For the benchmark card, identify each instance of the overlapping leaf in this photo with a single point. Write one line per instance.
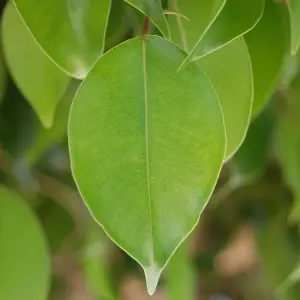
(40, 80)
(71, 32)
(229, 70)
(194, 17)
(146, 146)
(24, 261)
(236, 18)
(155, 12)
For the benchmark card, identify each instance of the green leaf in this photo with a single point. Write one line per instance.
(198, 16)
(41, 82)
(146, 163)
(181, 276)
(155, 12)
(230, 68)
(71, 32)
(45, 138)
(236, 18)
(294, 11)
(267, 45)
(24, 260)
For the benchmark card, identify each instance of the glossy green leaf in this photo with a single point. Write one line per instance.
(24, 260)
(198, 15)
(236, 18)
(39, 79)
(294, 10)
(146, 146)
(71, 32)
(181, 276)
(154, 10)
(228, 69)
(267, 45)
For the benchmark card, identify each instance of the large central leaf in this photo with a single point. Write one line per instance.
(146, 144)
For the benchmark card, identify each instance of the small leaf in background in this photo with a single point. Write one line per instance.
(154, 10)
(198, 15)
(39, 79)
(294, 11)
(250, 160)
(118, 24)
(3, 75)
(147, 162)
(236, 18)
(24, 260)
(46, 138)
(267, 45)
(57, 231)
(71, 32)
(180, 275)
(96, 263)
(278, 255)
(288, 142)
(229, 71)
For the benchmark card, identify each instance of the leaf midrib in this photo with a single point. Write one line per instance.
(147, 142)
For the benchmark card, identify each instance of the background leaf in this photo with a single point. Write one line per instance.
(198, 15)
(267, 45)
(294, 10)
(236, 18)
(71, 32)
(24, 261)
(229, 70)
(41, 82)
(147, 162)
(155, 12)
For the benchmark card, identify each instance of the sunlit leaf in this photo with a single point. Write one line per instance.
(294, 10)
(146, 163)
(39, 79)
(198, 16)
(71, 32)
(228, 69)
(181, 283)
(155, 12)
(236, 18)
(267, 45)
(3, 75)
(24, 260)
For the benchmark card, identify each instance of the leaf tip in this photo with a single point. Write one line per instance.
(152, 275)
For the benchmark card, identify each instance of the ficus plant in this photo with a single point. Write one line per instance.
(155, 98)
